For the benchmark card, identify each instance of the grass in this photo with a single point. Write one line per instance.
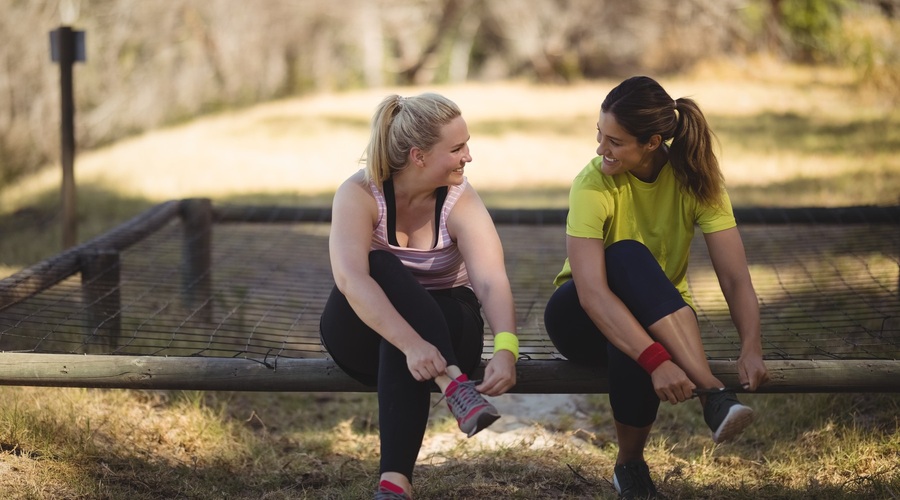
(791, 137)
(82, 443)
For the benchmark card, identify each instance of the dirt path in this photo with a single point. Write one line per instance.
(534, 421)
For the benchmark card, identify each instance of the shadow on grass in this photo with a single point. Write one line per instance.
(753, 468)
(808, 135)
(857, 188)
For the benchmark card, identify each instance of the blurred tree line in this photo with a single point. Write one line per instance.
(154, 62)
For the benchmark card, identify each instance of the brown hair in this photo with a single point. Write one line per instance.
(644, 109)
(402, 123)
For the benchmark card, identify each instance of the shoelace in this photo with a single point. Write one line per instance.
(706, 392)
(470, 398)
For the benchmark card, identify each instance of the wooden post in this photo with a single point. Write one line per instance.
(100, 292)
(196, 216)
(67, 47)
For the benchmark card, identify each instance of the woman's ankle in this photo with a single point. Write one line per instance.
(394, 481)
(452, 373)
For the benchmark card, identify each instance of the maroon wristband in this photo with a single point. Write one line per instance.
(653, 356)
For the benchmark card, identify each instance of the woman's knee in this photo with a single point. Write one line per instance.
(628, 254)
(389, 272)
(635, 276)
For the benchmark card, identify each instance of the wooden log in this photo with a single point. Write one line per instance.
(863, 214)
(272, 214)
(322, 375)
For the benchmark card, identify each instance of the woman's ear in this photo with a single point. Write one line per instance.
(654, 142)
(416, 156)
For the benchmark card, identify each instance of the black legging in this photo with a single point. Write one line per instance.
(638, 280)
(449, 319)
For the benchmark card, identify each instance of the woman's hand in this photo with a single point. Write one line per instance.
(499, 374)
(424, 361)
(671, 383)
(752, 371)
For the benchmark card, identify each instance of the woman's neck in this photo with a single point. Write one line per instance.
(654, 165)
(409, 191)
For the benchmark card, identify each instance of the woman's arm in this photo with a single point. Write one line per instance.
(354, 212)
(612, 317)
(472, 227)
(726, 250)
(588, 262)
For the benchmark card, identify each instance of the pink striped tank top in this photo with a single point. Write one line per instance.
(435, 268)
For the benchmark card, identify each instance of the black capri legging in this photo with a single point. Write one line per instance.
(449, 319)
(637, 279)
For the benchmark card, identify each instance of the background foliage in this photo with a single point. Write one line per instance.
(155, 63)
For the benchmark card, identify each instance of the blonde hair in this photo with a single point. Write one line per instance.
(400, 124)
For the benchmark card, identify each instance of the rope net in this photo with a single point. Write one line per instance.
(826, 291)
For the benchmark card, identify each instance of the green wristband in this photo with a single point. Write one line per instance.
(506, 341)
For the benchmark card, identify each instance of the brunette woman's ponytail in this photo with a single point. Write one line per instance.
(643, 108)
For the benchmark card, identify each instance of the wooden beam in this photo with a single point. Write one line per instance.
(322, 375)
(47, 273)
(863, 214)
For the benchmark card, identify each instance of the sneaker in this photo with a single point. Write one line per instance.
(632, 481)
(473, 413)
(725, 415)
(390, 491)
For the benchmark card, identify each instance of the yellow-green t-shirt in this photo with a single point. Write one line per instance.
(658, 214)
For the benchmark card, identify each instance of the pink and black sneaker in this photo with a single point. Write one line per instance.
(473, 413)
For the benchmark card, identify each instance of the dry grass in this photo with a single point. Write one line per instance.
(77, 443)
(789, 136)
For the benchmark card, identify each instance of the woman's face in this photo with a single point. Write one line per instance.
(448, 158)
(621, 151)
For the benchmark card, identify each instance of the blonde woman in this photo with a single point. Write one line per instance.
(415, 258)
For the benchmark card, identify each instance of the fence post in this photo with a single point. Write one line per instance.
(101, 295)
(67, 48)
(196, 217)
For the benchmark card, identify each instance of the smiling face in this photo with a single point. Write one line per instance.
(622, 152)
(448, 158)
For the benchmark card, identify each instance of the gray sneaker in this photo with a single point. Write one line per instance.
(473, 413)
(725, 415)
(632, 481)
